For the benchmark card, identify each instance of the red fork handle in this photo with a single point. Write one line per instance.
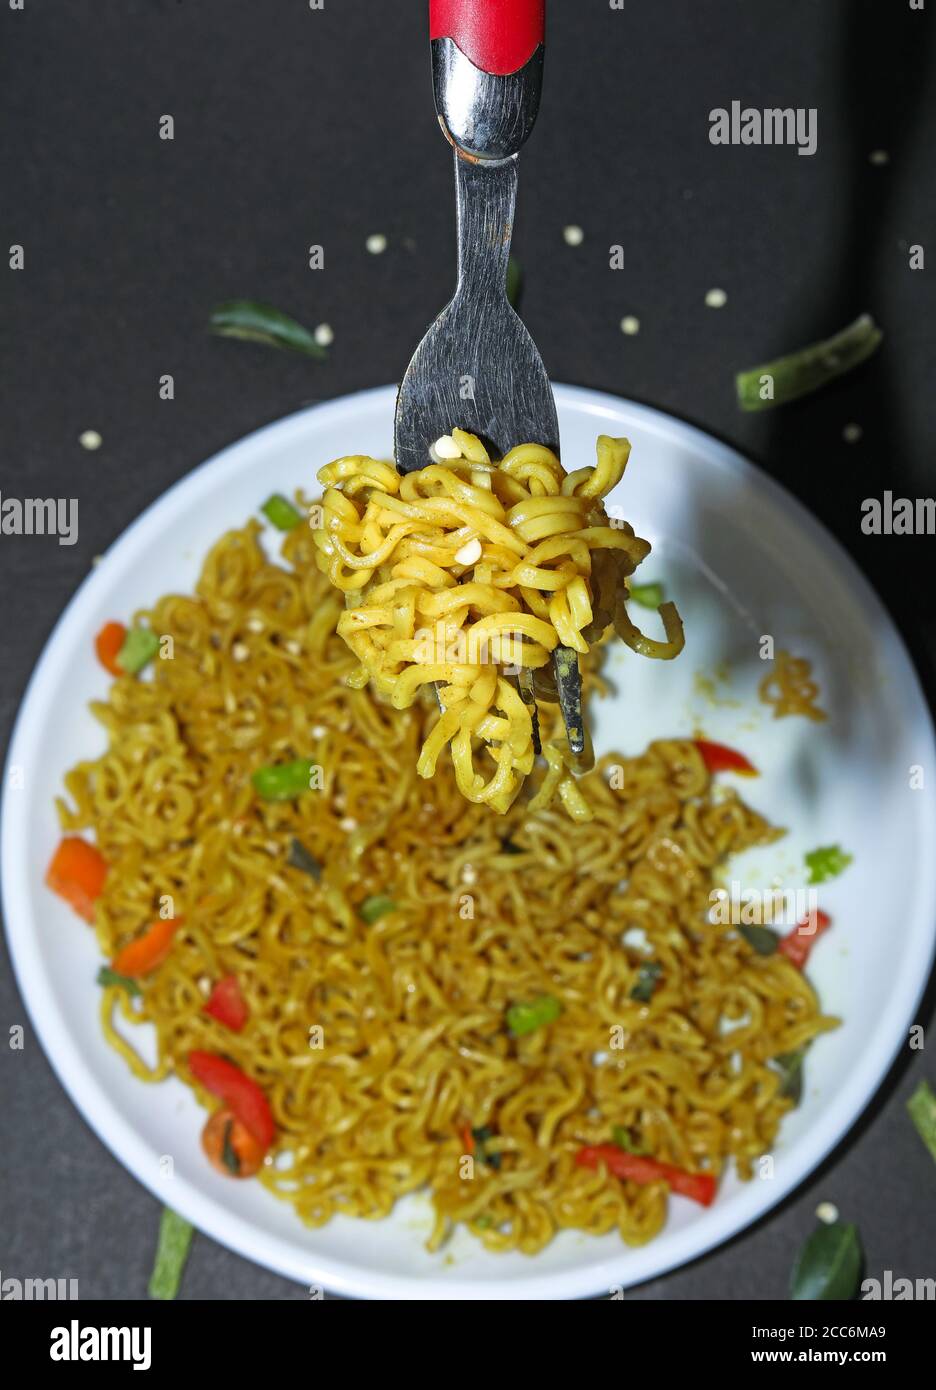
(499, 36)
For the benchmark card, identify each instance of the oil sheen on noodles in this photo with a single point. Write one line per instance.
(466, 569)
(488, 911)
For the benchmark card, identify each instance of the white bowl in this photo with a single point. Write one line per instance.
(743, 559)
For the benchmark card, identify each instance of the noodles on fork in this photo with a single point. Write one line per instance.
(468, 571)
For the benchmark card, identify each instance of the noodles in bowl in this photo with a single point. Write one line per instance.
(425, 995)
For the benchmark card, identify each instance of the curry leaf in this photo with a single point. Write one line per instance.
(762, 939)
(829, 1265)
(261, 323)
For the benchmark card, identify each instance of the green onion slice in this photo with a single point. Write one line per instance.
(106, 976)
(647, 595)
(283, 781)
(140, 646)
(622, 1136)
(377, 906)
(809, 369)
(922, 1108)
(526, 1018)
(826, 862)
(481, 1137)
(175, 1237)
(281, 512)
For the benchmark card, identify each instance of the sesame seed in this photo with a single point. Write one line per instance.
(630, 325)
(376, 244)
(469, 874)
(90, 439)
(239, 652)
(716, 299)
(573, 236)
(255, 624)
(324, 335)
(348, 824)
(852, 433)
(446, 448)
(827, 1212)
(469, 553)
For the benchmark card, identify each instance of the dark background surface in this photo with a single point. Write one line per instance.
(295, 127)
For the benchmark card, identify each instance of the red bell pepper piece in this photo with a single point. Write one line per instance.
(798, 943)
(246, 1099)
(719, 758)
(699, 1187)
(226, 1004)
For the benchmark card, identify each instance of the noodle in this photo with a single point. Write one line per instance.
(462, 573)
(377, 1044)
(790, 689)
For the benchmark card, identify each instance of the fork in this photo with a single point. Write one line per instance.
(477, 367)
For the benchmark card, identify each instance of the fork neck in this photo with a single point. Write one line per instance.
(486, 199)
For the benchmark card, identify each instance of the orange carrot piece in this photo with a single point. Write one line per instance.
(145, 952)
(230, 1146)
(107, 644)
(77, 873)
